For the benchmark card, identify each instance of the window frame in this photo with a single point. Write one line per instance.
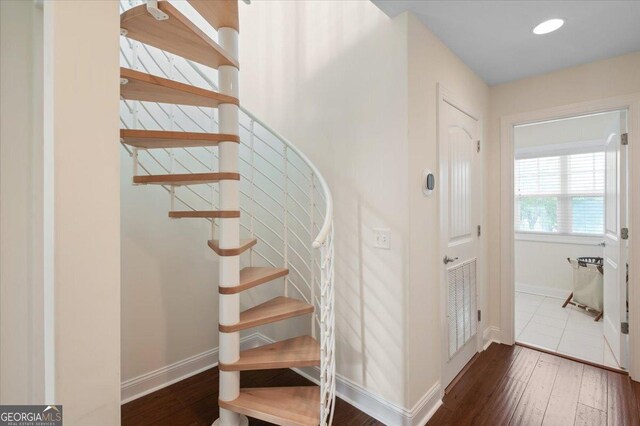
(565, 209)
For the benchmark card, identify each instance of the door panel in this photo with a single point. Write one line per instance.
(615, 292)
(459, 201)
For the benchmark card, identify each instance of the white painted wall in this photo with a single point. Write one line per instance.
(331, 76)
(169, 280)
(574, 130)
(599, 80)
(430, 63)
(21, 302)
(82, 201)
(371, 129)
(541, 267)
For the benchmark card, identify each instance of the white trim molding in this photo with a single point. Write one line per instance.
(379, 408)
(630, 102)
(387, 412)
(555, 292)
(583, 240)
(382, 410)
(490, 335)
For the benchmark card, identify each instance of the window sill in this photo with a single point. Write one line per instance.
(587, 240)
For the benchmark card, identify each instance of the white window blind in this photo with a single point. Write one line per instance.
(560, 194)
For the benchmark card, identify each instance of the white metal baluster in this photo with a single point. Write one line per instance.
(173, 197)
(134, 156)
(312, 268)
(172, 171)
(172, 122)
(285, 219)
(134, 125)
(323, 332)
(252, 204)
(134, 108)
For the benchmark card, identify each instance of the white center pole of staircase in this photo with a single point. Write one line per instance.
(229, 236)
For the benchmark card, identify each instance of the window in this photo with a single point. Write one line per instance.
(560, 194)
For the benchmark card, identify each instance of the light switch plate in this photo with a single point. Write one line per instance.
(382, 238)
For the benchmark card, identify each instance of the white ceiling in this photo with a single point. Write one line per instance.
(494, 38)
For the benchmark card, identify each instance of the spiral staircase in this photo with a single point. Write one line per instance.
(186, 132)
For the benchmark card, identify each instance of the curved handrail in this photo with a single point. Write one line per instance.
(323, 234)
(321, 238)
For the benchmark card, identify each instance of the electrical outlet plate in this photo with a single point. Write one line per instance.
(382, 238)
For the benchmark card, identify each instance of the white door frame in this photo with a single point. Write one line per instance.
(446, 95)
(507, 234)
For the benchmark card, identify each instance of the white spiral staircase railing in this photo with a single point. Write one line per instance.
(284, 200)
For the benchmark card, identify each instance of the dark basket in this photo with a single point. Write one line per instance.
(584, 261)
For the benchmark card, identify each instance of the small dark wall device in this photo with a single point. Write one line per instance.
(428, 182)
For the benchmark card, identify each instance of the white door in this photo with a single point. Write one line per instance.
(615, 270)
(459, 220)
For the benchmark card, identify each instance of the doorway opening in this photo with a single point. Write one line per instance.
(570, 241)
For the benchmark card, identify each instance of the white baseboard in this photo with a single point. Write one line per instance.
(555, 292)
(374, 405)
(491, 335)
(162, 377)
(379, 408)
(366, 401)
(427, 406)
(387, 412)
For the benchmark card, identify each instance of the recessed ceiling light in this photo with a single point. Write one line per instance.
(549, 26)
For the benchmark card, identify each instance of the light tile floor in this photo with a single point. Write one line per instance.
(542, 321)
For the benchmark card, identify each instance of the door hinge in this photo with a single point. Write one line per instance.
(479, 315)
(479, 230)
(624, 327)
(478, 145)
(624, 139)
(624, 233)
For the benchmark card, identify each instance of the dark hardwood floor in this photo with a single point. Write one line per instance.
(521, 386)
(194, 401)
(504, 385)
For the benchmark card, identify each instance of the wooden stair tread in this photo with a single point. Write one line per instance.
(273, 310)
(211, 214)
(177, 35)
(244, 246)
(185, 179)
(253, 276)
(301, 351)
(146, 87)
(220, 13)
(287, 406)
(149, 139)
